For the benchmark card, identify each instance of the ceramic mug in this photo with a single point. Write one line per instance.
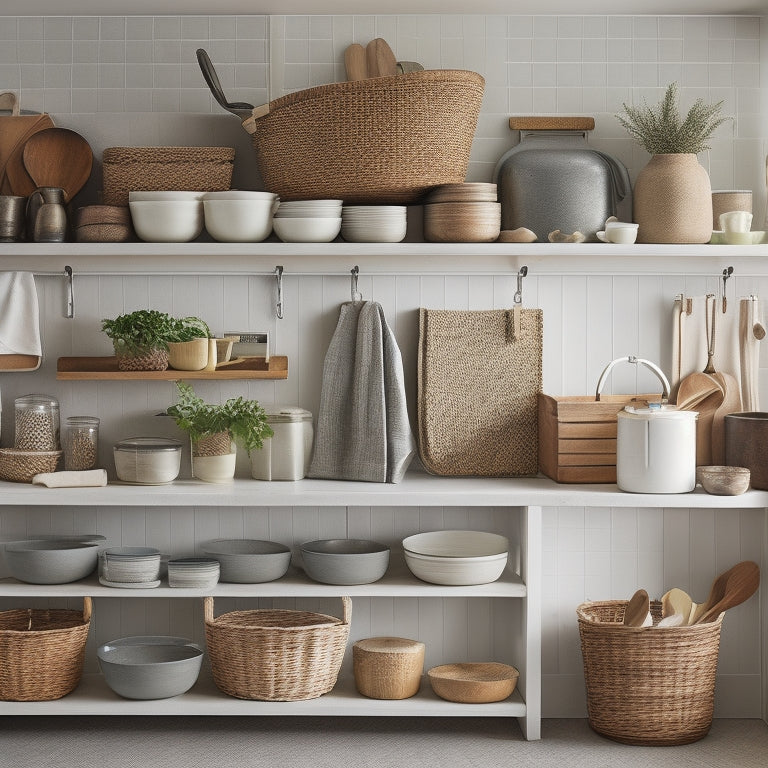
(621, 232)
(735, 226)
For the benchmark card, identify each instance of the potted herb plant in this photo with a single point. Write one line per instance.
(673, 195)
(214, 430)
(141, 339)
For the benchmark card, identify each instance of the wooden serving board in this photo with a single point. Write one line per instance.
(105, 368)
(552, 123)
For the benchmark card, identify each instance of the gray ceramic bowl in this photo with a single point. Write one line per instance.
(249, 561)
(345, 561)
(51, 561)
(150, 667)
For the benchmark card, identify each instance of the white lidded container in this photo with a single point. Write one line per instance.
(285, 455)
(148, 460)
(656, 449)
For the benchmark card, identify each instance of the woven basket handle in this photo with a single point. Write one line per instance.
(347, 618)
(208, 609)
(87, 609)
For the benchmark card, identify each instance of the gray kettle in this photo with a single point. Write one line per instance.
(553, 180)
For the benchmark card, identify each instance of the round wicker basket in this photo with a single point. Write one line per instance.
(18, 466)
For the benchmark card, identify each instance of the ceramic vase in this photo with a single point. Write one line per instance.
(673, 201)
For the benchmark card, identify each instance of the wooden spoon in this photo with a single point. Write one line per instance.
(637, 609)
(729, 589)
(58, 157)
(355, 62)
(676, 601)
(380, 59)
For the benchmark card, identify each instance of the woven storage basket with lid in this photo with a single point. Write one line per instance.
(647, 685)
(382, 140)
(17, 466)
(275, 654)
(42, 652)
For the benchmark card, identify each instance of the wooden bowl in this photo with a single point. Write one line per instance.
(473, 682)
(723, 481)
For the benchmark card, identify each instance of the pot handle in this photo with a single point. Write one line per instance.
(635, 360)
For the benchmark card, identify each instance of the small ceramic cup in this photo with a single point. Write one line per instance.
(621, 232)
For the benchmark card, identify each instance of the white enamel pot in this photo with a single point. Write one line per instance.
(656, 450)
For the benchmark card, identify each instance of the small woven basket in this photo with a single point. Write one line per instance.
(143, 360)
(204, 169)
(647, 685)
(276, 655)
(42, 652)
(382, 139)
(19, 466)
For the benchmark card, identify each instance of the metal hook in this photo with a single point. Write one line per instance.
(521, 273)
(356, 295)
(279, 278)
(70, 312)
(726, 274)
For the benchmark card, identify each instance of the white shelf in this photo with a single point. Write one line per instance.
(382, 258)
(416, 490)
(398, 582)
(94, 697)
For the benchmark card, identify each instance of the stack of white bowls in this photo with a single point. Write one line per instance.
(166, 216)
(373, 223)
(130, 567)
(239, 216)
(308, 221)
(193, 572)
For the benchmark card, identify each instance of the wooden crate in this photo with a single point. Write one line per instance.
(577, 436)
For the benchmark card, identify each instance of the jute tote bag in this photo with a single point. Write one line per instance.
(479, 375)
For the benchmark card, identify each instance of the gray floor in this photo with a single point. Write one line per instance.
(294, 742)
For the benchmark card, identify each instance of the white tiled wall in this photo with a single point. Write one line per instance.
(134, 80)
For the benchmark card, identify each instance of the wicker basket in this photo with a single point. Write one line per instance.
(382, 140)
(41, 652)
(647, 685)
(276, 655)
(205, 169)
(19, 466)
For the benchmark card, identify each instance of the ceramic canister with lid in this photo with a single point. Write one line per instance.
(147, 460)
(285, 455)
(656, 449)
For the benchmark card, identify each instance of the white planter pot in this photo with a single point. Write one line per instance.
(214, 469)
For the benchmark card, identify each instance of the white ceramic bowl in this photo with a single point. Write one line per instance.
(167, 221)
(144, 195)
(456, 558)
(314, 230)
(231, 220)
(239, 194)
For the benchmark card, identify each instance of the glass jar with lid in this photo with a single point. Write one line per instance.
(81, 442)
(37, 423)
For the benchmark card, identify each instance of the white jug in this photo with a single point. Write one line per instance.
(656, 449)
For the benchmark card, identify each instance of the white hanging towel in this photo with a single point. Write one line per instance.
(738, 331)
(363, 431)
(20, 347)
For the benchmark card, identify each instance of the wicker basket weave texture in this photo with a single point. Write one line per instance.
(380, 140)
(18, 466)
(204, 169)
(42, 652)
(275, 654)
(647, 685)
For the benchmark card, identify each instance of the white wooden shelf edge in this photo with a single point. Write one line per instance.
(93, 697)
(416, 490)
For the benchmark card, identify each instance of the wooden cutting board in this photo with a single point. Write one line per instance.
(15, 128)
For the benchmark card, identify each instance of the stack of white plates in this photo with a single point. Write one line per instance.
(130, 567)
(373, 223)
(308, 221)
(193, 572)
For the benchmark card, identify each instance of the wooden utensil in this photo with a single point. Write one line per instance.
(637, 609)
(676, 601)
(729, 589)
(58, 157)
(380, 60)
(355, 62)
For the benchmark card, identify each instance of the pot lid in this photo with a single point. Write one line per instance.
(287, 413)
(658, 411)
(148, 444)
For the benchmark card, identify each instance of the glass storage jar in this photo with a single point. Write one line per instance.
(37, 423)
(81, 442)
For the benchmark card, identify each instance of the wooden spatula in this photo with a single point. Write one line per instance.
(355, 62)
(729, 589)
(380, 59)
(58, 157)
(637, 610)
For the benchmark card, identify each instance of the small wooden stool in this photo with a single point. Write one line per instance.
(388, 667)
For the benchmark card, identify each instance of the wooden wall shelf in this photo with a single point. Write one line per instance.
(105, 368)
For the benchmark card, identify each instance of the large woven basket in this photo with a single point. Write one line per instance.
(382, 140)
(647, 685)
(204, 169)
(18, 466)
(276, 655)
(42, 652)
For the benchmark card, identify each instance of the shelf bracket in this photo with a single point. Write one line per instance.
(279, 279)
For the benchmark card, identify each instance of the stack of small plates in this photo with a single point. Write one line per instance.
(308, 221)
(130, 568)
(193, 572)
(373, 223)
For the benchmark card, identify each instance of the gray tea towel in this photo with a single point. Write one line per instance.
(363, 432)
